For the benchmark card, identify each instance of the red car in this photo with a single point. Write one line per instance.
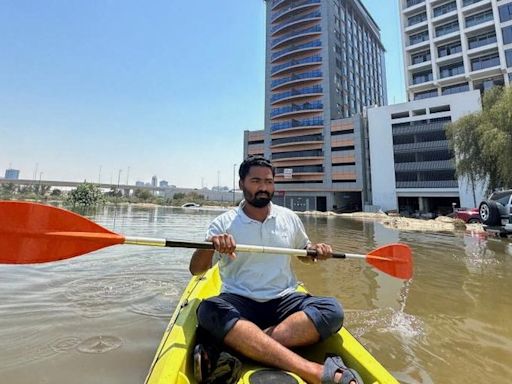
(468, 215)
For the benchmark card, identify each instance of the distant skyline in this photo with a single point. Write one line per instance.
(106, 90)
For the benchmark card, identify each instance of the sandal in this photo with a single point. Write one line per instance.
(335, 364)
(212, 367)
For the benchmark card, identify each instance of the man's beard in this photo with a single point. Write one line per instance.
(260, 200)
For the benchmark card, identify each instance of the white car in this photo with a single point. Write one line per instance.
(190, 205)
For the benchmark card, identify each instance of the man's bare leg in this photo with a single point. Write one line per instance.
(297, 330)
(248, 339)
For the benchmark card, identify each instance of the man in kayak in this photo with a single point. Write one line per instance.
(258, 313)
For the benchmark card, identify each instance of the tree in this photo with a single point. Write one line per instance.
(482, 141)
(85, 195)
(7, 190)
(143, 194)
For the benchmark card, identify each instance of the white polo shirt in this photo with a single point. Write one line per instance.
(259, 276)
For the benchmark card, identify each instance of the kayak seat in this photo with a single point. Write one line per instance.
(334, 364)
(271, 376)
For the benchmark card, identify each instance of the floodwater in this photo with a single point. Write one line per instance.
(98, 318)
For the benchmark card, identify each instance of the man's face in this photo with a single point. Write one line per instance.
(258, 186)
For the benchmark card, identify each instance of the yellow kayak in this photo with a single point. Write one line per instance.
(173, 362)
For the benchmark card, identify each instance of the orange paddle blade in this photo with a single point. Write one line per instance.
(37, 233)
(393, 259)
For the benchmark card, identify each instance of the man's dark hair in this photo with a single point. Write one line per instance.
(254, 161)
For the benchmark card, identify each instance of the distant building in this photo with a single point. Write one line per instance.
(139, 183)
(164, 184)
(154, 181)
(12, 174)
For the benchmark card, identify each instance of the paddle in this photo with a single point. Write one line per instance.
(36, 233)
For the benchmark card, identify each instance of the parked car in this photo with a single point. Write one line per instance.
(496, 210)
(467, 215)
(190, 205)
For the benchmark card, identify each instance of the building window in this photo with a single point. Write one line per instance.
(507, 35)
(445, 8)
(420, 57)
(416, 19)
(421, 77)
(425, 94)
(451, 70)
(508, 56)
(479, 18)
(481, 40)
(410, 3)
(505, 12)
(457, 88)
(418, 38)
(487, 61)
(465, 3)
(449, 49)
(447, 28)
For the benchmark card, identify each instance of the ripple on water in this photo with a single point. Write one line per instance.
(99, 344)
(65, 343)
(97, 297)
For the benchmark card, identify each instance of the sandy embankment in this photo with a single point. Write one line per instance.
(439, 224)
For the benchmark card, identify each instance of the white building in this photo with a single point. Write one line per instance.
(452, 46)
(412, 166)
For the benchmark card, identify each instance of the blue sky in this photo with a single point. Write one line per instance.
(162, 87)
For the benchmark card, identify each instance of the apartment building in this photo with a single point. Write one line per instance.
(453, 46)
(324, 65)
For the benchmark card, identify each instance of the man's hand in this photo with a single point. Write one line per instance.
(323, 251)
(224, 244)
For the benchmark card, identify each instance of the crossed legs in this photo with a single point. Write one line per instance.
(271, 345)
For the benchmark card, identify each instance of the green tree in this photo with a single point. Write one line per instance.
(7, 190)
(143, 194)
(85, 195)
(56, 192)
(482, 141)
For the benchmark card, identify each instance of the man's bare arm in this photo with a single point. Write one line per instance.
(201, 261)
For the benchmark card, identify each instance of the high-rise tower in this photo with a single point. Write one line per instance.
(324, 64)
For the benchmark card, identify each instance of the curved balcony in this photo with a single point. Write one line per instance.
(315, 44)
(294, 6)
(294, 109)
(294, 20)
(311, 60)
(276, 3)
(296, 93)
(295, 123)
(306, 76)
(317, 29)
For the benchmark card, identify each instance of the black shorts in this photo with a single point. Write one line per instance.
(218, 314)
